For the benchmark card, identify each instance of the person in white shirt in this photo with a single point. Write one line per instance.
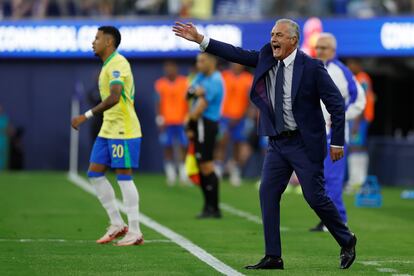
(354, 98)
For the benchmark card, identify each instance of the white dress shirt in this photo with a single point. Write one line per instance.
(290, 123)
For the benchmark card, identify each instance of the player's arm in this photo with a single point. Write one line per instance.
(357, 103)
(201, 104)
(159, 119)
(112, 100)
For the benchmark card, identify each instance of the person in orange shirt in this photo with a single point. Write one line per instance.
(237, 84)
(172, 110)
(358, 158)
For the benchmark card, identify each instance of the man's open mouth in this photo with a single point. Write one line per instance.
(276, 47)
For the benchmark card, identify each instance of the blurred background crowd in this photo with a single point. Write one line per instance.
(205, 9)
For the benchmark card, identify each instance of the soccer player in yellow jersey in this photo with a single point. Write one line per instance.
(118, 143)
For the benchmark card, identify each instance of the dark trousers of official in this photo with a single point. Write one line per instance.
(282, 157)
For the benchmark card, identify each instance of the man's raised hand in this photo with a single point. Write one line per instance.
(187, 31)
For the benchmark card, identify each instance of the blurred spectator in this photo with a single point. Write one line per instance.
(311, 31)
(88, 8)
(150, 7)
(17, 9)
(4, 150)
(358, 158)
(237, 84)
(16, 157)
(106, 7)
(238, 8)
(11, 144)
(172, 110)
(21, 8)
(196, 9)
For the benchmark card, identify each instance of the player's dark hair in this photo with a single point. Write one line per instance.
(114, 32)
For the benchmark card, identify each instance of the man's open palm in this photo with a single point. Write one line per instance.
(187, 31)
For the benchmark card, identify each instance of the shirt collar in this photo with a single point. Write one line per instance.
(110, 57)
(290, 58)
(328, 62)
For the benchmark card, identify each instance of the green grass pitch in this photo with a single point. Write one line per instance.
(62, 222)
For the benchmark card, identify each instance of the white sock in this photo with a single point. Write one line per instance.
(235, 175)
(170, 172)
(106, 196)
(183, 173)
(219, 169)
(131, 201)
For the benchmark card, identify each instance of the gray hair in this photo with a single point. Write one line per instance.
(330, 37)
(293, 28)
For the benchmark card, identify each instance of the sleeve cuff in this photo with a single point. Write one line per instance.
(204, 43)
(337, 147)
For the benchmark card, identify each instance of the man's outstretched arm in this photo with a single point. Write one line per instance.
(224, 50)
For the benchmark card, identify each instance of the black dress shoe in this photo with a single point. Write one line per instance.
(209, 214)
(320, 227)
(268, 262)
(348, 253)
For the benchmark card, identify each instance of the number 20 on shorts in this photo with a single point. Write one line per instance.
(117, 151)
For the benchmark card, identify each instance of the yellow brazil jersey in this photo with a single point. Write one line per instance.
(120, 121)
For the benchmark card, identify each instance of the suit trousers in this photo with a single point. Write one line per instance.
(282, 157)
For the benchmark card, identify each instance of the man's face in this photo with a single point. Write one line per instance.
(170, 69)
(237, 68)
(204, 63)
(353, 66)
(324, 49)
(283, 44)
(100, 43)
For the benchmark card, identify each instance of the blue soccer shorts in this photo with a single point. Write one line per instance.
(173, 133)
(116, 153)
(236, 131)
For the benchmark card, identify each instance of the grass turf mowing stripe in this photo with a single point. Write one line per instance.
(246, 215)
(25, 240)
(193, 249)
(385, 269)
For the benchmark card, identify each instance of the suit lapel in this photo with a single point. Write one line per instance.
(259, 92)
(267, 62)
(297, 74)
(259, 97)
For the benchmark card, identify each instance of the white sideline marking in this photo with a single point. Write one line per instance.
(373, 263)
(68, 241)
(378, 263)
(193, 249)
(243, 214)
(386, 269)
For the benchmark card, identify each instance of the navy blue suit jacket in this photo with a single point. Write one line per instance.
(310, 84)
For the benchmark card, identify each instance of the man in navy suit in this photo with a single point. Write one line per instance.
(287, 88)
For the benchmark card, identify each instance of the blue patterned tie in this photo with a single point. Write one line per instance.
(280, 122)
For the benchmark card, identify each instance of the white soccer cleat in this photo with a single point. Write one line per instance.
(131, 239)
(113, 232)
